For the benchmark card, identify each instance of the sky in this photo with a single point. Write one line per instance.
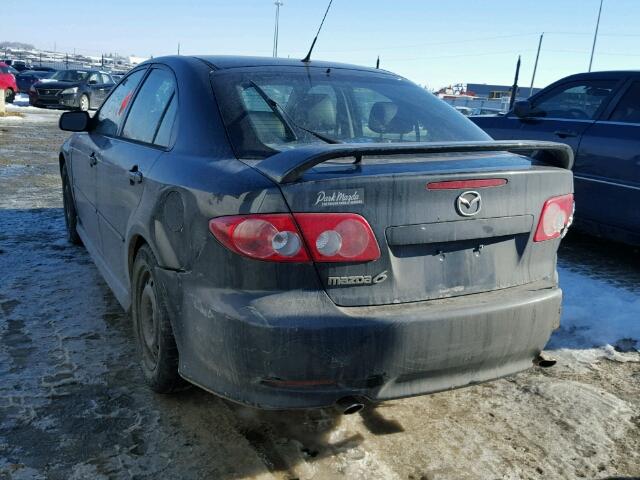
(431, 42)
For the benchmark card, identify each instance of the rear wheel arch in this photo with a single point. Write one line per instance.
(135, 243)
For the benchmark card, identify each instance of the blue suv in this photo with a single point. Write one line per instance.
(598, 115)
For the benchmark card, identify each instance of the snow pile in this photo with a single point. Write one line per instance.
(21, 100)
(598, 318)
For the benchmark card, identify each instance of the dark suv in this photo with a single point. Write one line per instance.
(598, 115)
(72, 90)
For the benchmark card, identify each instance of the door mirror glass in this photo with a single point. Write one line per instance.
(74, 121)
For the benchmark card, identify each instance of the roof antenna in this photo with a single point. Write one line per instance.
(378, 62)
(313, 44)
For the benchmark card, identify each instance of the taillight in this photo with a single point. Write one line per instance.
(274, 237)
(338, 237)
(556, 217)
(329, 237)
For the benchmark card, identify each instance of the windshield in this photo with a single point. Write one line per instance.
(70, 75)
(269, 111)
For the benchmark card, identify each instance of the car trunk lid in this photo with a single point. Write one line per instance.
(431, 245)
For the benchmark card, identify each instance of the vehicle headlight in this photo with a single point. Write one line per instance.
(71, 90)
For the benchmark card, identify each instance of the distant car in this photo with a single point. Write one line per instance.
(598, 115)
(484, 111)
(466, 111)
(28, 77)
(8, 83)
(19, 65)
(76, 89)
(294, 235)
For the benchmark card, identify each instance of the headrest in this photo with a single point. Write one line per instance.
(317, 111)
(388, 117)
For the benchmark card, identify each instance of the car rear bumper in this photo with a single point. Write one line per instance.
(299, 350)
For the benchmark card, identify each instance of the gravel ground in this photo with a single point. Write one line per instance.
(73, 404)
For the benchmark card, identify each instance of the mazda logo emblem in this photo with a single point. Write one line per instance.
(469, 203)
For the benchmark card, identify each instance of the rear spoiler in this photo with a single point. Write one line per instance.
(289, 165)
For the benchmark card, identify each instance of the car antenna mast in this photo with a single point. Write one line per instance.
(313, 44)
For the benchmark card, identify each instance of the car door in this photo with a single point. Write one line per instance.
(564, 112)
(607, 170)
(86, 166)
(101, 89)
(92, 85)
(128, 159)
(84, 171)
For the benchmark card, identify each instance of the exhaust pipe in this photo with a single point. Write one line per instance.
(349, 405)
(542, 362)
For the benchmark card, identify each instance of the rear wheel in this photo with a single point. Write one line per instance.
(70, 214)
(9, 95)
(84, 103)
(152, 328)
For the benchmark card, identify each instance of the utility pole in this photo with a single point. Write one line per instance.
(514, 89)
(276, 32)
(595, 35)
(535, 66)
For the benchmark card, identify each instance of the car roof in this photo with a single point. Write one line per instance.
(224, 62)
(601, 75)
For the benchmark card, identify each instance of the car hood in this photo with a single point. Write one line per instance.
(56, 84)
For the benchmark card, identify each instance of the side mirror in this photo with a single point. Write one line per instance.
(93, 82)
(523, 109)
(74, 121)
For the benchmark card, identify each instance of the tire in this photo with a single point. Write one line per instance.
(70, 213)
(9, 95)
(83, 104)
(152, 329)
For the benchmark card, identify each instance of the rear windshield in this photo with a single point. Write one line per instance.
(269, 111)
(70, 75)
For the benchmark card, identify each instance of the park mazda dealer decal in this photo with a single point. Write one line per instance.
(333, 198)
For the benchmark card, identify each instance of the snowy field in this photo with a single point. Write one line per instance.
(73, 404)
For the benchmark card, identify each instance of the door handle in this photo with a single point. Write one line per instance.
(565, 133)
(93, 159)
(135, 175)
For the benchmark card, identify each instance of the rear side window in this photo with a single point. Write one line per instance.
(112, 112)
(575, 101)
(628, 109)
(150, 107)
(106, 78)
(163, 137)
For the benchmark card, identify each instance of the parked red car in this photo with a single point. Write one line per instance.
(8, 82)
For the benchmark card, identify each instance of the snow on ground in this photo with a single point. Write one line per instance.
(35, 114)
(22, 100)
(68, 373)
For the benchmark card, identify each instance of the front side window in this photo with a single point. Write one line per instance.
(575, 101)
(109, 117)
(628, 108)
(150, 106)
(266, 111)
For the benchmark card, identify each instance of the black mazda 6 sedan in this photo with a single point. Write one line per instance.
(293, 234)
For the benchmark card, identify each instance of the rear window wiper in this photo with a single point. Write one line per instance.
(288, 121)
